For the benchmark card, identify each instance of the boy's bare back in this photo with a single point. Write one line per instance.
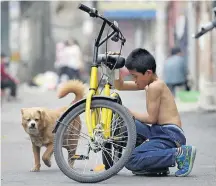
(167, 109)
(160, 103)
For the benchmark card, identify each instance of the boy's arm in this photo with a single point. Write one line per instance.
(120, 84)
(153, 105)
(125, 85)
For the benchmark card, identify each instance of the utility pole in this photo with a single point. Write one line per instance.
(161, 36)
(192, 65)
(5, 48)
(14, 34)
(207, 87)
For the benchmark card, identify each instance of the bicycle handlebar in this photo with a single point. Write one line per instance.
(94, 13)
(112, 62)
(206, 28)
(85, 8)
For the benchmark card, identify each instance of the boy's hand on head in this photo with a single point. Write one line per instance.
(123, 72)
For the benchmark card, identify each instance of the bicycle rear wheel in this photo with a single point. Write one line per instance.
(72, 166)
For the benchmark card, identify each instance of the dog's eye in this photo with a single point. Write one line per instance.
(36, 120)
(28, 119)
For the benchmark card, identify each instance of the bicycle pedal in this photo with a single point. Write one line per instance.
(79, 157)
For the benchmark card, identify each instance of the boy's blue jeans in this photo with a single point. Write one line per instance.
(159, 150)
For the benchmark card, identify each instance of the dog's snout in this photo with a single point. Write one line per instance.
(32, 124)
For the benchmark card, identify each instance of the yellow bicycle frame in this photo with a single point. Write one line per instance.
(108, 114)
(91, 116)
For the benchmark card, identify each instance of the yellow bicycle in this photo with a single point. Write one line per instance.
(104, 137)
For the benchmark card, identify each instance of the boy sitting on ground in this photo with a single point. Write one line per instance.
(163, 142)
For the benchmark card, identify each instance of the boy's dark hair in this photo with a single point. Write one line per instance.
(141, 61)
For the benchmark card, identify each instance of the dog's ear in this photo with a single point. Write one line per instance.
(43, 116)
(41, 112)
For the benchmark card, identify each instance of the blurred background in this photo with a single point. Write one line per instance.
(46, 42)
(34, 35)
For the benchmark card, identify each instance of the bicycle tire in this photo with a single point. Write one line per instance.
(131, 129)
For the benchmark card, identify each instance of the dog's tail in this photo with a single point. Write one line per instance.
(72, 86)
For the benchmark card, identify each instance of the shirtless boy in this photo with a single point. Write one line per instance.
(163, 143)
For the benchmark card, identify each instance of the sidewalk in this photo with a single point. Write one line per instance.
(186, 106)
(182, 106)
(26, 92)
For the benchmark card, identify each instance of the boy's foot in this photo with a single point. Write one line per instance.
(186, 160)
(153, 172)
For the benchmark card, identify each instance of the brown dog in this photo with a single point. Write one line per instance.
(39, 122)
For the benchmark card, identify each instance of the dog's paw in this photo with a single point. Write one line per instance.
(47, 163)
(35, 169)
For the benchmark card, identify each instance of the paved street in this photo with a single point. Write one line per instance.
(17, 157)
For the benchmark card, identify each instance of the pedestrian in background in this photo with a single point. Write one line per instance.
(175, 70)
(8, 81)
(72, 58)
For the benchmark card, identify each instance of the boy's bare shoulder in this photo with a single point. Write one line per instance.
(156, 86)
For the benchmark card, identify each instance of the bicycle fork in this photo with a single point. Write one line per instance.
(91, 115)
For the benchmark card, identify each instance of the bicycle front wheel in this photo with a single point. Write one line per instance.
(84, 162)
